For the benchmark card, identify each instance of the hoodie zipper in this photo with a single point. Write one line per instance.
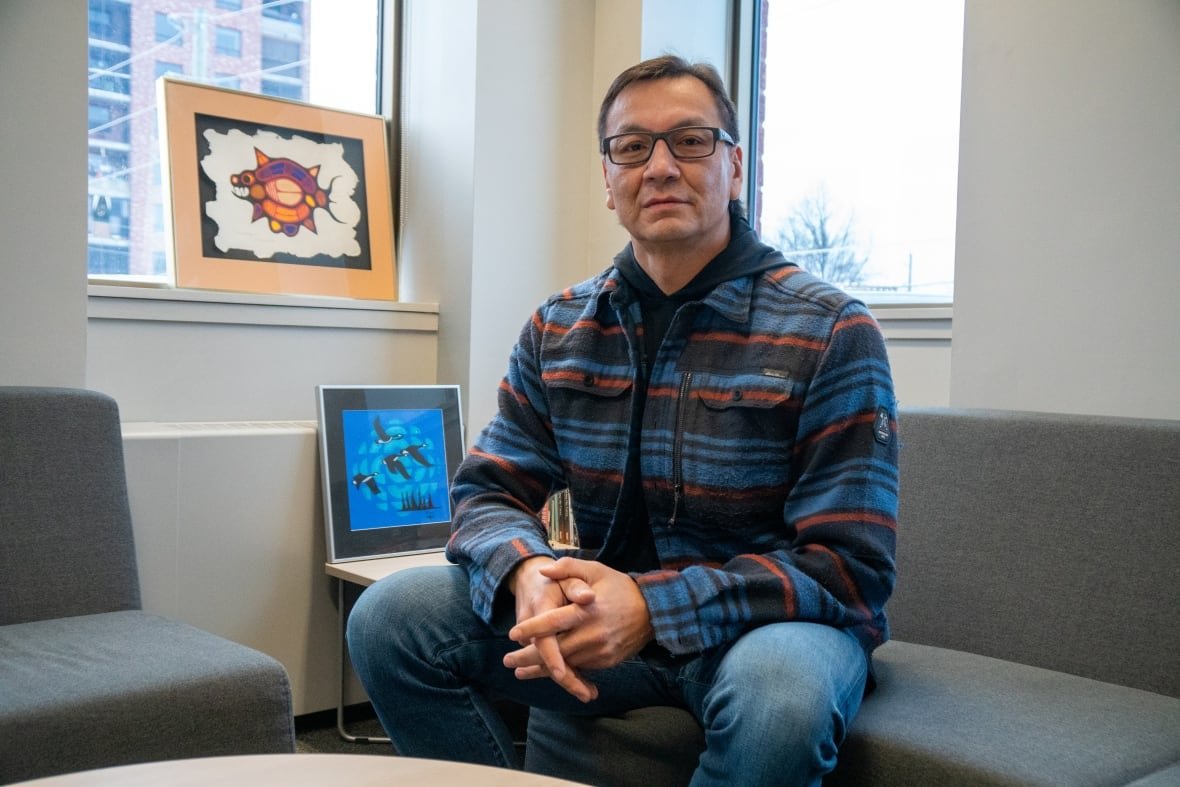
(677, 439)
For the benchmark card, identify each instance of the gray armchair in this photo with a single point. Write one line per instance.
(87, 678)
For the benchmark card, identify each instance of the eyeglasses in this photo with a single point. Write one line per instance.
(689, 142)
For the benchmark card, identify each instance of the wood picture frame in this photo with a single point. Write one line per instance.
(268, 195)
(387, 457)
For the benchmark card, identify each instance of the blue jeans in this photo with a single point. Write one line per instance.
(774, 704)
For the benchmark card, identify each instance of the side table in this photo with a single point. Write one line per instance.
(365, 573)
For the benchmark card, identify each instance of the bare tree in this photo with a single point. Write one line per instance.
(814, 240)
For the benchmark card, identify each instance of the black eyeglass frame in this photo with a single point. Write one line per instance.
(719, 135)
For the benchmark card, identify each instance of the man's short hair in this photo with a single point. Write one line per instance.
(669, 67)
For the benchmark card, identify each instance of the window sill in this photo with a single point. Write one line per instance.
(115, 302)
(915, 322)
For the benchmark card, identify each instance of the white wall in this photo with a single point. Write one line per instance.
(42, 223)
(918, 340)
(618, 42)
(534, 120)
(1068, 247)
(497, 109)
(438, 141)
(696, 30)
(222, 357)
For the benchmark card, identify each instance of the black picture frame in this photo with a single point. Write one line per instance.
(387, 457)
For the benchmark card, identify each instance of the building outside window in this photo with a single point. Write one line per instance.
(277, 89)
(280, 57)
(110, 20)
(110, 72)
(221, 42)
(109, 127)
(229, 41)
(856, 128)
(168, 30)
(164, 67)
(284, 11)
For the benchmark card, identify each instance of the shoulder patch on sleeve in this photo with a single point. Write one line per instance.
(882, 427)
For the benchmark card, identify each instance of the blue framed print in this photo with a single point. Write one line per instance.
(387, 457)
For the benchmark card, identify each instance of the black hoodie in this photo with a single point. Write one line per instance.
(744, 255)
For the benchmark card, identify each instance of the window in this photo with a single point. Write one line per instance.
(272, 87)
(232, 81)
(108, 122)
(285, 10)
(164, 67)
(109, 71)
(102, 258)
(856, 133)
(168, 29)
(106, 162)
(282, 57)
(219, 43)
(110, 20)
(229, 41)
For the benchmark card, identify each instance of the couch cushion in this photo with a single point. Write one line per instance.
(947, 717)
(124, 687)
(1044, 539)
(1168, 777)
(937, 717)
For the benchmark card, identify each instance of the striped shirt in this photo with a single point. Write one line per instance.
(768, 454)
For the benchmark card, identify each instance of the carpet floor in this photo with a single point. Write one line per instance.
(316, 733)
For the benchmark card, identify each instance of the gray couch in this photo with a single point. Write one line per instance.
(1036, 620)
(87, 678)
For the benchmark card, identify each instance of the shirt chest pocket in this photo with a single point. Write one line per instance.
(737, 438)
(743, 394)
(582, 401)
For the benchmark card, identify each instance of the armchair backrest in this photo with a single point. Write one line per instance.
(66, 544)
(1041, 538)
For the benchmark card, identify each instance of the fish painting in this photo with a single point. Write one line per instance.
(283, 191)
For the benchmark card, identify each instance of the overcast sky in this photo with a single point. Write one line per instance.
(862, 99)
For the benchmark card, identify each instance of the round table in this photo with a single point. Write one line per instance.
(293, 770)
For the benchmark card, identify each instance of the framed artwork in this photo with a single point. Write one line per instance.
(387, 457)
(269, 195)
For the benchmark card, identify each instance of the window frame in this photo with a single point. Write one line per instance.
(745, 57)
(113, 288)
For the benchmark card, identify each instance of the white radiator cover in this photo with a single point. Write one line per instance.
(229, 534)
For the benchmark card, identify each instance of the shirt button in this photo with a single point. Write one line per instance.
(737, 396)
(588, 380)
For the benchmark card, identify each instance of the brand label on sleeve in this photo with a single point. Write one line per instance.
(882, 428)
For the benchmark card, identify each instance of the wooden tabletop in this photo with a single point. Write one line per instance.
(366, 572)
(299, 770)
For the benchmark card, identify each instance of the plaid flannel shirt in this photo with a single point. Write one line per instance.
(768, 455)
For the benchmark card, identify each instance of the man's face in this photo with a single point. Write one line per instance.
(665, 202)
